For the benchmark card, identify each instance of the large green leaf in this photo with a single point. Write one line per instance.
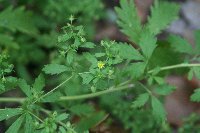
(141, 100)
(18, 19)
(162, 13)
(9, 112)
(129, 20)
(39, 83)
(25, 87)
(158, 109)
(14, 128)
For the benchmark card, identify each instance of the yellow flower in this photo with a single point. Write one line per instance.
(101, 64)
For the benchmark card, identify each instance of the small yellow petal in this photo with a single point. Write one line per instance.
(101, 64)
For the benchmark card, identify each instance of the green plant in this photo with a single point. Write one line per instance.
(103, 69)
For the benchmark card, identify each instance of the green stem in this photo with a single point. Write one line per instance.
(85, 96)
(53, 89)
(12, 99)
(57, 87)
(143, 86)
(176, 66)
(77, 97)
(48, 113)
(36, 116)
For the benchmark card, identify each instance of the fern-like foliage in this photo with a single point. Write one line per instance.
(17, 20)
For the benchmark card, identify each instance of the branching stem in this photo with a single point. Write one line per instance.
(54, 89)
(36, 117)
(86, 96)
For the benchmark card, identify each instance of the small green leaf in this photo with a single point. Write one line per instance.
(141, 100)
(9, 112)
(25, 87)
(136, 70)
(180, 45)
(190, 74)
(196, 71)
(14, 128)
(63, 38)
(62, 130)
(55, 69)
(70, 57)
(129, 52)
(164, 89)
(39, 83)
(62, 117)
(159, 80)
(90, 58)
(158, 109)
(148, 44)
(195, 97)
(87, 77)
(88, 45)
(100, 54)
(28, 124)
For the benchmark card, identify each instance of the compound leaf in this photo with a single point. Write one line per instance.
(129, 20)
